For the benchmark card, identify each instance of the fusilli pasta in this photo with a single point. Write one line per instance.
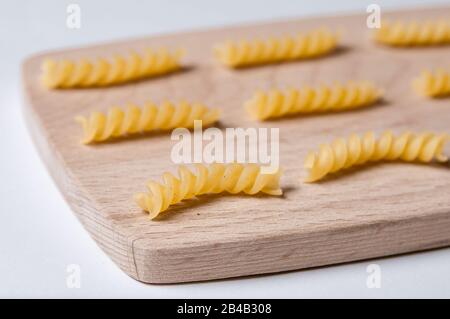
(121, 69)
(342, 154)
(402, 33)
(118, 123)
(245, 53)
(433, 84)
(215, 178)
(337, 97)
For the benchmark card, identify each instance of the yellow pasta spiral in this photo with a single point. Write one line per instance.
(118, 123)
(433, 84)
(337, 97)
(425, 33)
(215, 178)
(342, 154)
(245, 53)
(120, 69)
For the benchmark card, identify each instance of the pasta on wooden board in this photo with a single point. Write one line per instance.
(99, 127)
(103, 72)
(401, 33)
(337, 97)
(433, 83)
(342, 154)
(302, 46)
(215, 178)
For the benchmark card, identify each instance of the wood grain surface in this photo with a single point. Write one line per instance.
(371, 211)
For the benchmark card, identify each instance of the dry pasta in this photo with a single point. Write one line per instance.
(104, 72)
(341, 154)
(401, 33)
(215, 178)
(433, 84)
(245, 53)
(100, 127)
(337, 97)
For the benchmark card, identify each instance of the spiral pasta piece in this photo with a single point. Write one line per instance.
(342, 154)
(433, 84)
(337, 97)
(215, 178)
(99, 127)
(303, 46)
(414, 33)
(120, 69)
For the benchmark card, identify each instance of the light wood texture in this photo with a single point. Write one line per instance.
(371, 211)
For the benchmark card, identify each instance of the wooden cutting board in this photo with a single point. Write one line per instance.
(371, 211)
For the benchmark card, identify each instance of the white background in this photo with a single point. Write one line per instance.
(40, 236)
